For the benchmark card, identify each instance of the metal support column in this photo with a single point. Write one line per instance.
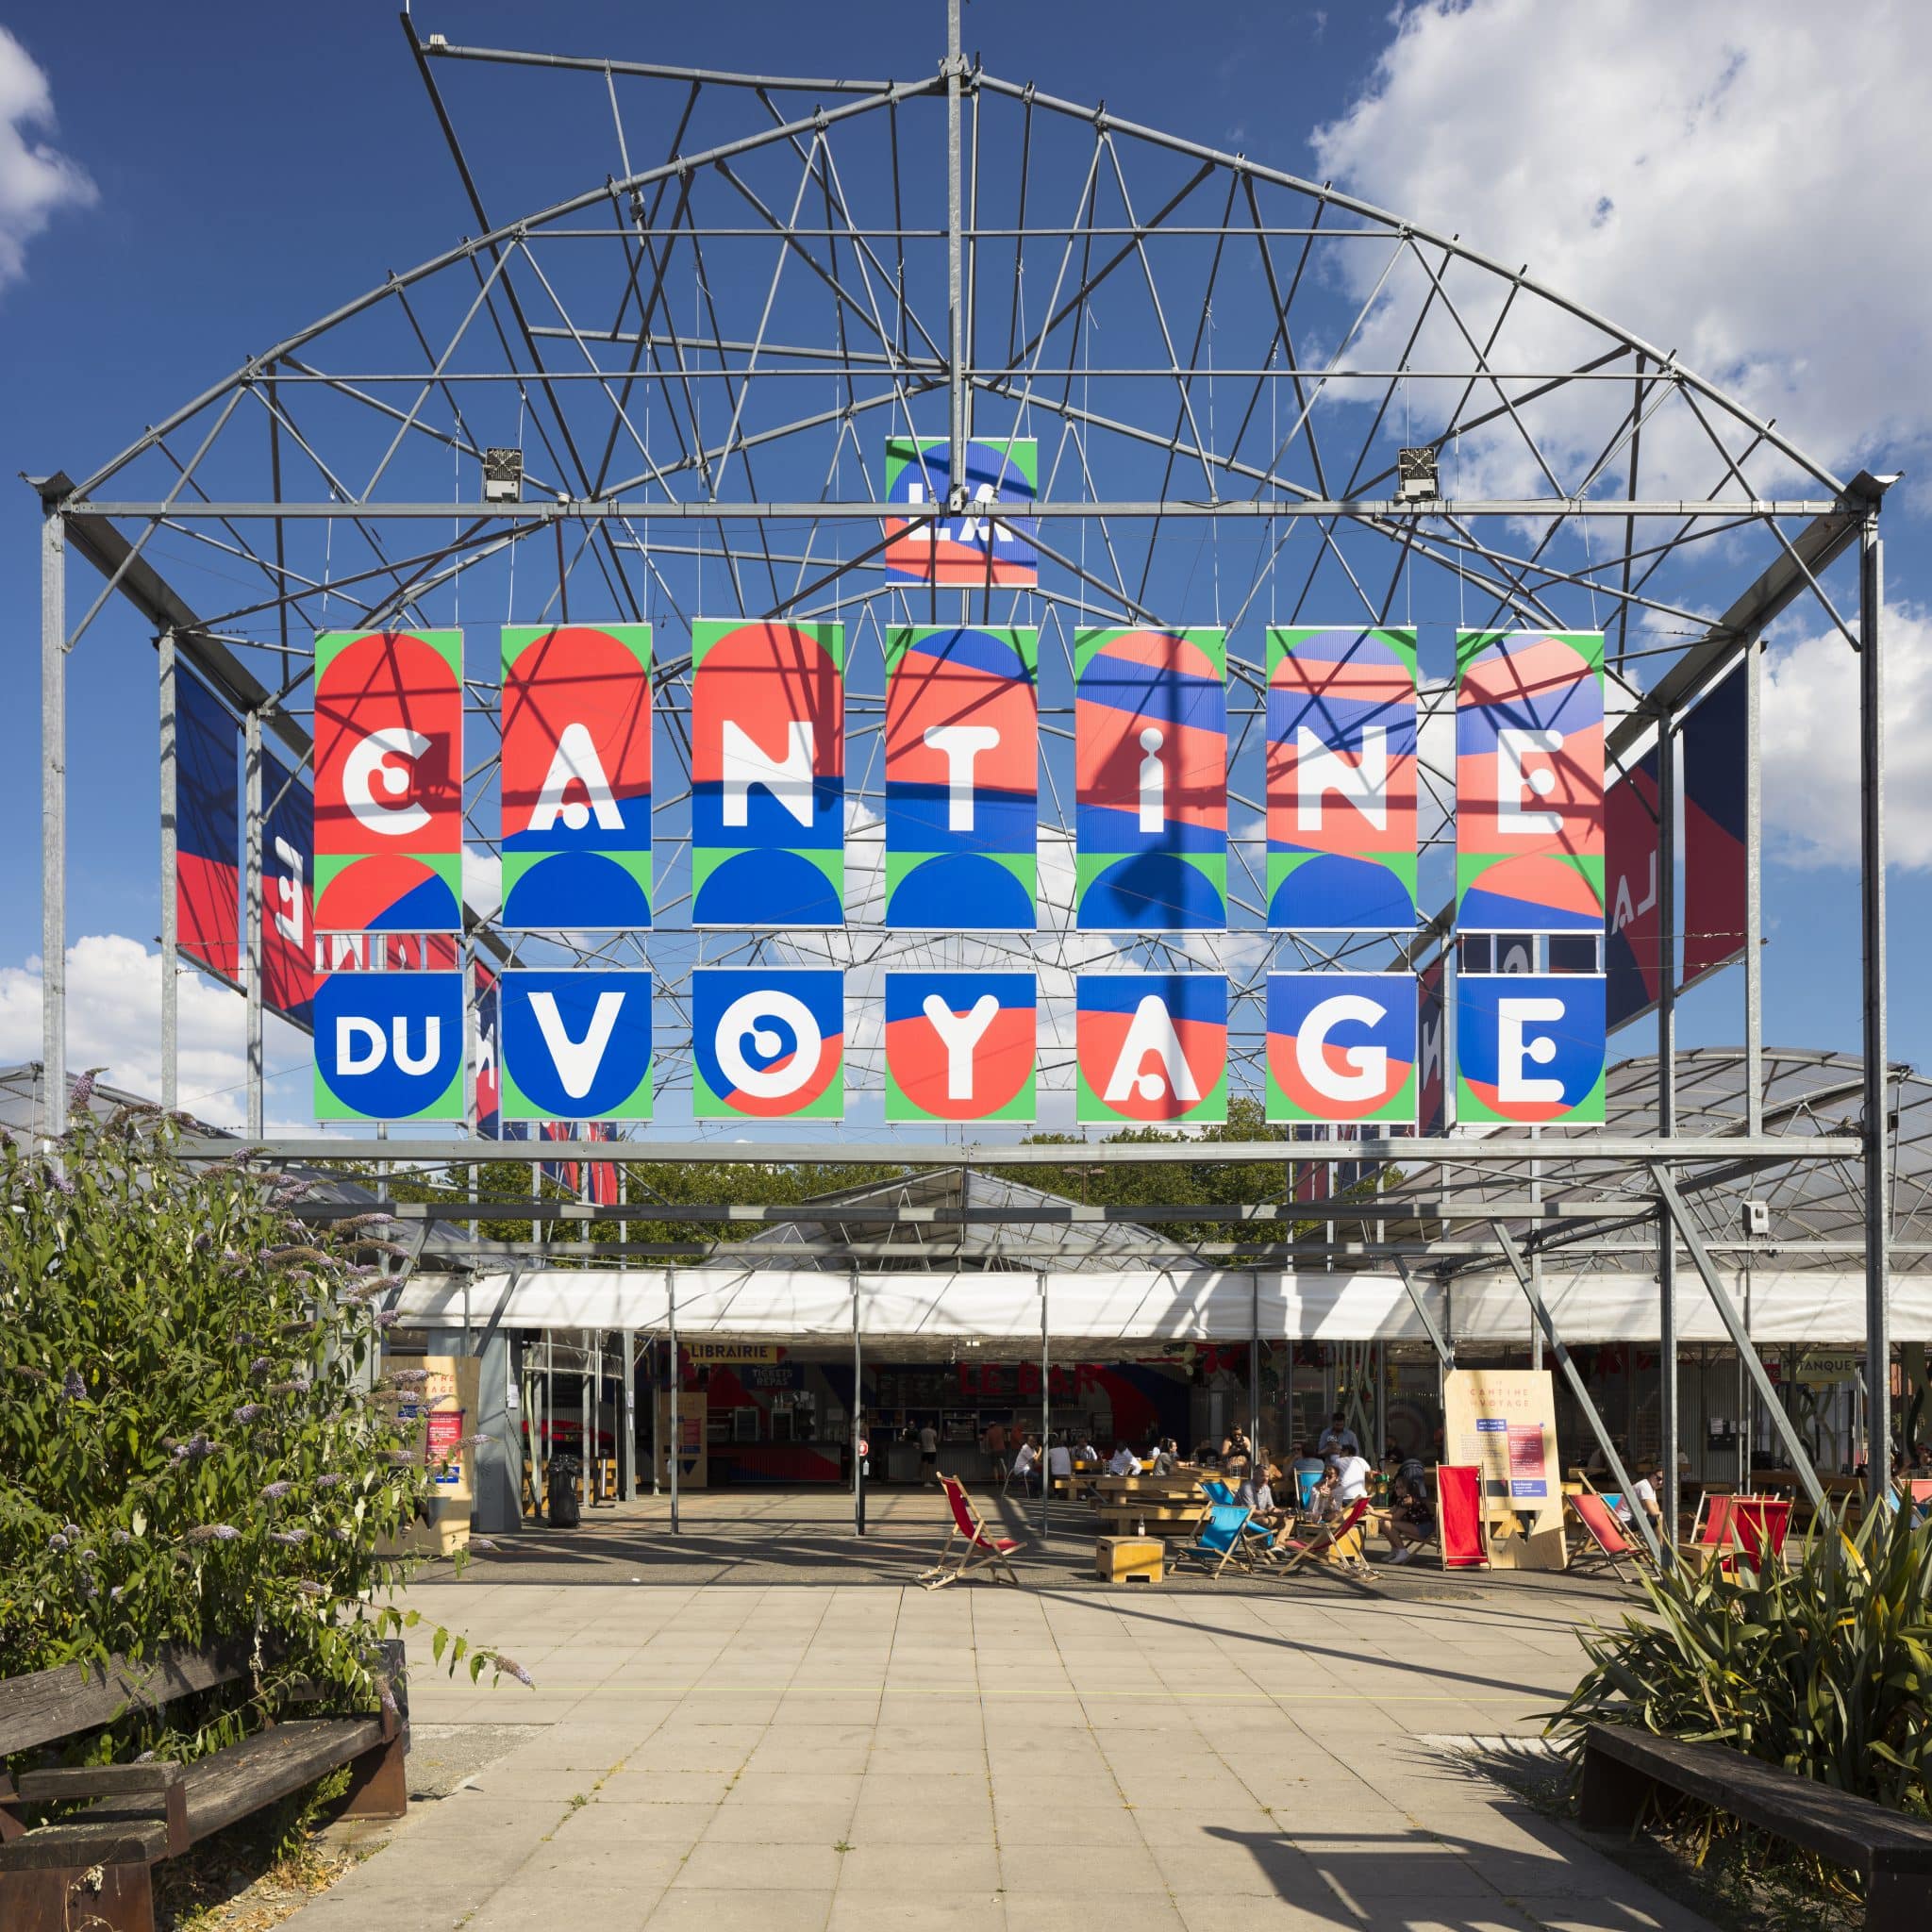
(1877, 1083)
(676, 1381)
(1255, 1370)
(587, 1423)
(628, 1404)
(858, 1418)
(1439, 1339)
(956, 278)
(1579, 1389)
(652, 1379)
(171, 929)
(252, 903)
(52, 825)
(1666, 1113)
(1045, 1386)
(1754, 894)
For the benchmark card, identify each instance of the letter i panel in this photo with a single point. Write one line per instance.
(768, 1044)
(960, 1047)
(1529, 781)
(767, 774)
(963, 784)
(1152, 1047)
(389, 781)
(389, 1046)
(577, 777)
(1342, 780)
(1342, 1047)
(1529, 1047)
(575, 1045)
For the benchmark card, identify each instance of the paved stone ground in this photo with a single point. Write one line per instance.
(797, 1743)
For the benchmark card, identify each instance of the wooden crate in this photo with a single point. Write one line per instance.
(1130, 1559)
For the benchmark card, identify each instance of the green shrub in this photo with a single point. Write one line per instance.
(189, 1449)
(1821, 1663)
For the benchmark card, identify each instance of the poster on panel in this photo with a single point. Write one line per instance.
(389, 1046)
(1716, 827)
(1633, 944)
(1529, 781)
(768, 774)
(1151, 1047)
(1341, 779)
(1342, 1047)
(208, 829)
(1150, 756)
(287, 897)
(1432, 1048)
(577, 777)
(575, 1042)
(389, 781)
(963, 787)
(960, 1047)
(1503, 1423)
(768, 1044)
(1529, 1047)
(966, 547)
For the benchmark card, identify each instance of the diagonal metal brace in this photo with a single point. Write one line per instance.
(1728, 1311)
(1446, 1349)
(1541, 1309)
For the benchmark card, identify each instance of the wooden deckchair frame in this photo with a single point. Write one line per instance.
(980, 1548)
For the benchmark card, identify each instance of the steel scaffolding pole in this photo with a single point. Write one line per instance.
(1667, 1117)
(170, 992)
(858, 1418)
(52, 825)
(955, 293)
(1877, 1082)
(252, 938)
(1754, 890)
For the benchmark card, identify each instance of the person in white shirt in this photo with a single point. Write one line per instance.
(1025, 1461)
(1337, 1439)
(1059, 1459)
(1122, 1461)
(1085, 1450)
(1351, 1481)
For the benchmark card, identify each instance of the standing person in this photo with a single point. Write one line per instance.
(1235, 1451)
(1337, 1439)
(996, 1449)
(929, 1451)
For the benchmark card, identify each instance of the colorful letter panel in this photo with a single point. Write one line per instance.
(1529, 781)
(768, 1044)
(1152, 1046)
(289, 977)
(1716, 834)
(1341, 779)
(389, 781)
(963, 789)
(576, 777)
(960, 1047)
(963, 549)
(576, 1042)
(768, 774)
(1529, 1047)
(1150, 756)
(208, 829)
(389, 1046)
(1342, 1047)
(1634, 942)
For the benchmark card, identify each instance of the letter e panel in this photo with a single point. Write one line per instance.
(1529, 1047)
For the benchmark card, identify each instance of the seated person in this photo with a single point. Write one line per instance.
(1411, 1520)
(1351, 1480)
(1165, 1457)
(1025, 1467)
(1321, 1502)
(1206, 1454)
(1307, 1469)
(1122, 1461)
(1646, 1488)
(1257, 1495)
(1060, 1458)
(1084, 1450)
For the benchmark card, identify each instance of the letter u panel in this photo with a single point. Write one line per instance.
(1342, 1047)
(389, 1046)
(1152, 1047)
(1529, 781)
(389, 781)
(963, 784)
(1529, 1047)
(960, 1047)
(575, 781)
(768, 1044)
(287, 896)
(768, 774)
(967, 548)
(1342, 780)
(1150, 754)
(576, 1044)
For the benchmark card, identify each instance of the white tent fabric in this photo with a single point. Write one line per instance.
(1149, 1305)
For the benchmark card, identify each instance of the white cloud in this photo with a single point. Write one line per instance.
(35, 178)
(1738, 185)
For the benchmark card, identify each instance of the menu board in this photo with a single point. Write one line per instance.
(1503, 1421)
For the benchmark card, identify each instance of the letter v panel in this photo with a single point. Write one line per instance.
(1151, 1047)
(575, 1045)
(389, 1046)
(768, 774)
(1342, 780)
(575, 781)
(1342, 1047)
(389, 781)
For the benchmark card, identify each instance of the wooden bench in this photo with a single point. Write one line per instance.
(93, 1867)
(1621, 1768)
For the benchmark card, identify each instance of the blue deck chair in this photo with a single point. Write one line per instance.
(1219, 1540)
(1219, 1493)
(1305, 1481)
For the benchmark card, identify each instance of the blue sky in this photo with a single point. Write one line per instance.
(231, 171)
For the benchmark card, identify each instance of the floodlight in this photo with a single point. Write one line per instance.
(503, 475)
(1415, 474)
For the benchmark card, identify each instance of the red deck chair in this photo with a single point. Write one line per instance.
(1605, 1531)
(1712, 1525)
(1760, 1525)
(978, 1548)
(1331, 1542)
(1459, 1514)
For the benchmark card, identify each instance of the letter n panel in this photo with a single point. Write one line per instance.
(1529, 1047)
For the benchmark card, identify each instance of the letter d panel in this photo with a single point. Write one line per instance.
(389, 1046)
(768, 1045)
(1152, 1047)
(960, 1047)
(1529, 1047)
(1342, 1047)
(577, 1045)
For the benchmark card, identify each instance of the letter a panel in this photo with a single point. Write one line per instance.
(389, 781)
(1342, 780)
(1529, 781)
(768, 1044)
(768, 774)
(1529, 1047)
(389, 1046)
(1150, 754)
(960, 1047)
(1152, 1047)
(962, 786)
(1342, 1047)
(577, 777)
